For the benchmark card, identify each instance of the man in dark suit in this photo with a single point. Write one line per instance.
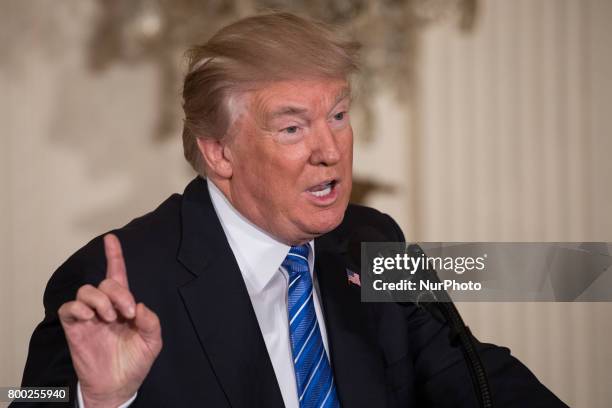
(244, 275)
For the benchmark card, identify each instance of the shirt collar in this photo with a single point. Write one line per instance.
(258, 254)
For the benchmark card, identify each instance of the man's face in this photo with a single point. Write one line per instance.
(291, 153)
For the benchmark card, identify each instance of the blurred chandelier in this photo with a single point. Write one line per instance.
(159, 31)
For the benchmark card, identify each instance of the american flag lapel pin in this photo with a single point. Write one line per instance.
(353, 278)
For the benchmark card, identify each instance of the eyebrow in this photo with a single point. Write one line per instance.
(299, 111)
(344, 93)
(288, 111)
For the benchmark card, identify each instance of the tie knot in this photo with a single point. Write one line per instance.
(296, 261)
(301, 250)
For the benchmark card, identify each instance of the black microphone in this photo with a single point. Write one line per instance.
(438, 304)
(422, 298)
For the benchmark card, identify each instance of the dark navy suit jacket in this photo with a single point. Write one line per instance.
(180, 264)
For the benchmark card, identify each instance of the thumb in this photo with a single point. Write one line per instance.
(148, 326)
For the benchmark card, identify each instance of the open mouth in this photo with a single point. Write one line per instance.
(323, 189)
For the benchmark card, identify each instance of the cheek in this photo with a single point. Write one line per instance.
(346, 148)
(345, 139)
(288, 170)
(250, 180)
(277, 183)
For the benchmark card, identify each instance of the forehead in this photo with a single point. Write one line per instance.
(303, 95)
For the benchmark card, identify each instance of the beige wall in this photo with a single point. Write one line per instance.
(508, 140)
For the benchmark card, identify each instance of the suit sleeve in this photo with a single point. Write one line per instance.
(48, 362)
(443, 379)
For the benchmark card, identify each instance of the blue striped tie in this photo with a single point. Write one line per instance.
(313, 374)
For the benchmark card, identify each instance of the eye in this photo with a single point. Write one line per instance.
(339, 115)
(291, 129)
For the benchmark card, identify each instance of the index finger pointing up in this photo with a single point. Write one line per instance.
(115, 265)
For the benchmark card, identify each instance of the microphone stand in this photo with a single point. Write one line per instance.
(443, 309)
(459, 335)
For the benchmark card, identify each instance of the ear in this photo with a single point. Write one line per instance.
(216, 156)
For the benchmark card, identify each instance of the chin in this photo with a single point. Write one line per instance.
(327, 221)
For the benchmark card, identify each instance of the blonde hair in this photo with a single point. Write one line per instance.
(269, 47)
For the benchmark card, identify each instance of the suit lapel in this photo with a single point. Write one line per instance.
(356, 360)
(219, 306)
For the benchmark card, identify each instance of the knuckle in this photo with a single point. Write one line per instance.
(63, 309)
(84, 290)
(106, 285)
(104, 301)
(115, 291)
(70, 309)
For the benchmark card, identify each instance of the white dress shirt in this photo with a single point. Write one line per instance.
(259, 258)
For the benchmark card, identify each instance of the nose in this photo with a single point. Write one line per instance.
(325, 149)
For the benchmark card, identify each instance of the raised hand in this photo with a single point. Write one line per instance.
(113, 341)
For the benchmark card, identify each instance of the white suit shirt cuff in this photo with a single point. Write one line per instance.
(80, 403)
